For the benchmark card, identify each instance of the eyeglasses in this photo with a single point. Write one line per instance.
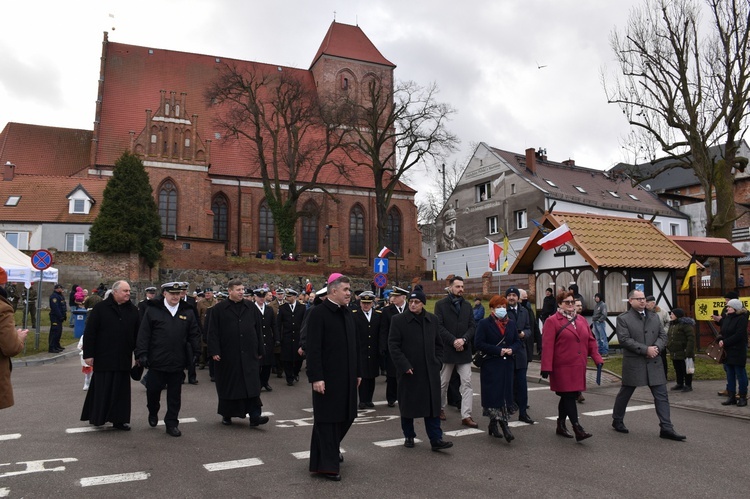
(568, 302)
(639, 299)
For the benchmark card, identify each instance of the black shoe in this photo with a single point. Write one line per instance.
(334, 477)
(173, 431)
(687, 388)
(391, 404)
(369, 404)
(677, 387)
(279, 375)
(153, 420)
(440, 445)
(296, 378)
(268, 388)
(258, 421)
(213, 380)
(121, 426)
(361, 405)
(193, 381)
(341, 457)
(671, 435)
(525, 419)
(290, 383)
(409, 442)
(226, 421)
(619, 426)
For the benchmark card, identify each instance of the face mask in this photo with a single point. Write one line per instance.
(500, 313)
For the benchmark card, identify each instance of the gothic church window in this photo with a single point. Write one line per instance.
(310, 228)
(357, 231)
(168, 208)
(266, 229)
(393, 236)
(219, 208)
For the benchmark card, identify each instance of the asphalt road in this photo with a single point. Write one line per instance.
(44, 453)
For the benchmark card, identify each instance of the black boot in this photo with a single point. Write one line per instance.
(493, 429)
(562, 429)
(504, 426)
(730, 400)
(580, 433)
(742, 401)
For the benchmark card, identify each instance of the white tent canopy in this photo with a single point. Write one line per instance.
(19, 268)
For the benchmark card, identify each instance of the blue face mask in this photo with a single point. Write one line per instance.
(500, 313)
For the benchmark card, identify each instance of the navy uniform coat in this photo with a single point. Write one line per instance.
(635, 336)
(269, 333)
(289, 325)
(369, 341)
(416, 344)
(333, 356)
(235, 335)
(163, 338)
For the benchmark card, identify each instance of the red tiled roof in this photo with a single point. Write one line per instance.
(349, 42)
(707, 246)
(44, 198)
(44, 150)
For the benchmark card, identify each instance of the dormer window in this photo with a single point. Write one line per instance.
(551, 183)
(79, 205)
(633, 197)
(79, 201)
(614, 194)
(12, 200)
(580, 189)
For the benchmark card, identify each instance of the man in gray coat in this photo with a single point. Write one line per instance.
(641, 336)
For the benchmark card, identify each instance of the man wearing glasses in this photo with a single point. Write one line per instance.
(641, 336)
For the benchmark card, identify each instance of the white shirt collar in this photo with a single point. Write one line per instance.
(172, 310)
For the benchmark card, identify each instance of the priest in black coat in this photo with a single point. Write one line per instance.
(235, 343)
(333, 369)
(108, 344)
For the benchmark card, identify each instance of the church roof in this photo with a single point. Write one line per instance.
(349, 42)
(52, 206)
(44, 150)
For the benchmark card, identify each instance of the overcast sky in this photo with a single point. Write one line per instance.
(484, 55)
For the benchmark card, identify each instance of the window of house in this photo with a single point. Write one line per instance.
(580, 189)
(551, 183)
(634, 198)
(393, 236)
(221, 217)
(12, 201)
(310, 228)
(266, 229)
(492, 225)
(357, 231)
(73, 242)
(613, 194)
(520, 218)
(674, 229)
(19, 240)
(657, 225)
(512, 188)
(79, 206)
(168, 208)
(483, 192)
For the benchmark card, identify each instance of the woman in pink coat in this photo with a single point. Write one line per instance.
(567, 342)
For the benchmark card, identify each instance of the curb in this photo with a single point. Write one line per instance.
(44, 360)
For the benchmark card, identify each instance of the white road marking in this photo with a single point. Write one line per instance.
(10, 436)
(38, 466)
(518, 424)
(182, 420)
(4, 492)
(301, 455)
(394, 443)
(88, 429)
(608, 412)
(537, 388)
(269, 414)
(462, 433)
(230, 465)
(119, 478)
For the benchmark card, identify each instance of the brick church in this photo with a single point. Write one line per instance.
(211, 202)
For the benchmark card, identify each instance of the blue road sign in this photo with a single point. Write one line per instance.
(381, 266)
(380, 280)
(41, 259)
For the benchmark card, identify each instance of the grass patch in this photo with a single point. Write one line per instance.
(67, 340)
(705, 368)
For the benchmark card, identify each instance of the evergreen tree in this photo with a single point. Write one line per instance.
(128, 220)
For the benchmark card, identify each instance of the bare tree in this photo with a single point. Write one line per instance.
(393, 128)
(684, 91)
(289, 134)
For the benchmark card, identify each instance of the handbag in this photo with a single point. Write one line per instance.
(689, 366)
(716, 352)
(479, 356)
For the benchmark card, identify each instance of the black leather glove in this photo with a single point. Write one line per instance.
(545, 374)
(143, 361)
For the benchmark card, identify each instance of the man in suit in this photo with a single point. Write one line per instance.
(398, 295)
(367, 321)
(641, 336)
(270, 336)
(288, 324)
(520, 315)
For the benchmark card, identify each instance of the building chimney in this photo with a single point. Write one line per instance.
(8, 170)
(531, 160)
(569, 162)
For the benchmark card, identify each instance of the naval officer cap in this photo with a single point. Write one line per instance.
(399, 291)
(367, 296)
(291, 292)
(151, 289)
(261, 292)
(173, 287)
(322, 291)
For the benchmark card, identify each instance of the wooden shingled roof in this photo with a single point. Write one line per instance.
(609, 242)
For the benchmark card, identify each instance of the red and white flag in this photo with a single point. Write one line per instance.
(495, 250)
(557, 237)
(384, 252)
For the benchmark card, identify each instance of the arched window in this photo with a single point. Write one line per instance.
(393, 236)
(219, 207)
(310, 228)
(168, 208)
(266, 229)
(357, 231)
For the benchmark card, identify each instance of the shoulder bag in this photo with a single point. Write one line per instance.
(716, 352)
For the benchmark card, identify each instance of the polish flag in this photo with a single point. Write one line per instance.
(384, 252)
(556, 238)
(494, 251)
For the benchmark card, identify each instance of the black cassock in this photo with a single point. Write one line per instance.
(235, 335)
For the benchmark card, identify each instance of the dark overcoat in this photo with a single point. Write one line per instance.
(455, 324)
(681, 339)
(369, 341)
(269, 333)
(235, 336)
(635, 336)
(110, 335)
(333, 357)
(289, 325)
(415, 343)
(565, 350)
(389, 313)
(734, 334)
(164, 339)
(496, 374)
(523, 325)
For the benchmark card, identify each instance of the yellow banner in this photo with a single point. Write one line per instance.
(706, 307)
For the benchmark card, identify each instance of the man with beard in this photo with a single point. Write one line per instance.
(520, 316)
(417, 351)
(235, 343)
(397, 306)
(289, 322)
(108, 344)
(333, 370)
(269, 334)
(168, 326)
(367, 322)
(456, 325)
